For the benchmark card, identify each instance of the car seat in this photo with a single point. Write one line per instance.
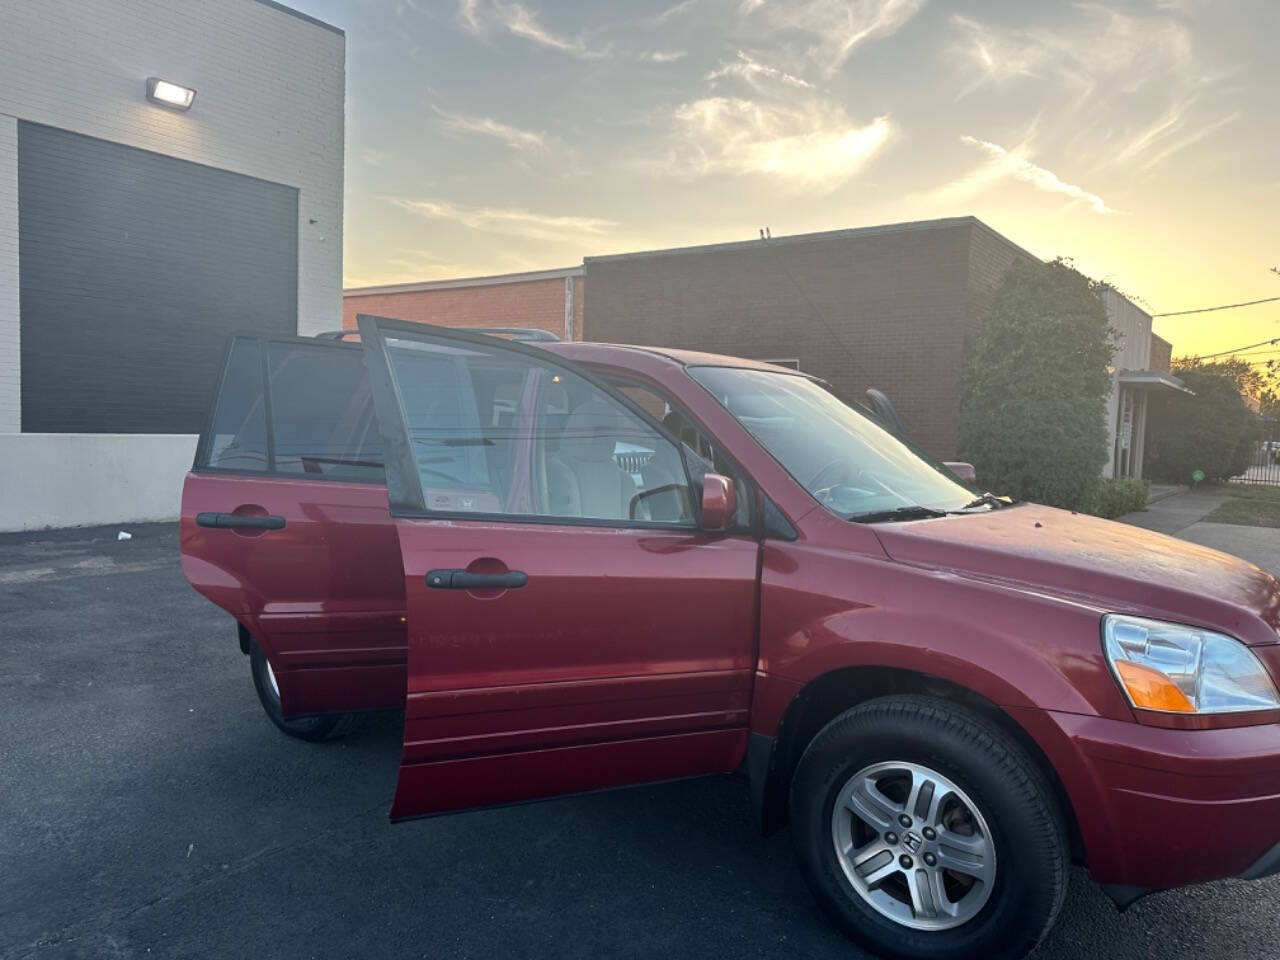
(582, 478)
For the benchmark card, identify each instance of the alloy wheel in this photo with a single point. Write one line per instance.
(913, 845)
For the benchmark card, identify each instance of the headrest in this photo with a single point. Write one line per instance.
(591, 432)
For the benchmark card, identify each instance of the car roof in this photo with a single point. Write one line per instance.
(590, 351)
(619, 353)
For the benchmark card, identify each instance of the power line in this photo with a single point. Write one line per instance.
(1209, 356)
(1225, 306)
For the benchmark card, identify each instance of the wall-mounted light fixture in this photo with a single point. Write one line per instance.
(169, 94)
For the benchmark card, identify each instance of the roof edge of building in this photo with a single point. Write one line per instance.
(458, 282)
(992, 231)
(912, 226)
(306, 17)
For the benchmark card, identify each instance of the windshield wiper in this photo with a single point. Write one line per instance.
(988, 499)
(911, 512)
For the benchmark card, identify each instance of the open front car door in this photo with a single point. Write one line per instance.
(570, 626)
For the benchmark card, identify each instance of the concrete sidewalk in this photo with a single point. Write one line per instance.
(1181, 515)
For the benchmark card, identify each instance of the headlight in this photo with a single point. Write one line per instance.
(1178, 669)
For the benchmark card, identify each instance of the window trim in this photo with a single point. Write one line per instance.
(399, 458)
(200, 463)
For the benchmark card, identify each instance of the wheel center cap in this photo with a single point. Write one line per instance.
(912, 842)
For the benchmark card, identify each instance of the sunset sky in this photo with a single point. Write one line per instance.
(1141, 139)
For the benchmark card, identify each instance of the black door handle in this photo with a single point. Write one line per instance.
(236, 521)
(463, 580)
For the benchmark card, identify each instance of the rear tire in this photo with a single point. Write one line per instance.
(312, 729)
(972, 864)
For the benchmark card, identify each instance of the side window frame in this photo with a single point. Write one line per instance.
(200, 463)
(404, 488)
(751, 490)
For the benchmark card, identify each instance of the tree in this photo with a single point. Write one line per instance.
(1035, 385)
(1257, 379)
(1213, 432)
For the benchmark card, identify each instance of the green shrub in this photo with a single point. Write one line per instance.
(1115, 498)
(1213, 431)
(1035, 383)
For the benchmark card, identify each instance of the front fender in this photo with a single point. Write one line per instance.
(826, 614)
(824, 610)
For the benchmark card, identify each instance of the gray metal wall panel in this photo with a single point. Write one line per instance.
(133, 268)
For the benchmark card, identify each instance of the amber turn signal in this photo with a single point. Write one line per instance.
(1149, 689)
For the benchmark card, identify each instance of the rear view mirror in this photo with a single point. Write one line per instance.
(719, 503)
(962, 470)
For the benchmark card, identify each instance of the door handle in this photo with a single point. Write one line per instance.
(464, 580)
(236, 521)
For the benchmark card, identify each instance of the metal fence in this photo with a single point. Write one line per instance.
(1265, 467)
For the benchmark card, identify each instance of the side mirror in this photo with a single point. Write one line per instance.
(964, 471)
(719, 503)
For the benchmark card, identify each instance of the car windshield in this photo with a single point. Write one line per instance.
(851, 465)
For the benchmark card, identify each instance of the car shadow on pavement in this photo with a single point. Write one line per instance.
(636, 867)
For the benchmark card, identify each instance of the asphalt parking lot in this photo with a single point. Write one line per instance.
(149, 809)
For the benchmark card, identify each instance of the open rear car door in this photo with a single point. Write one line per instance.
(570, 626)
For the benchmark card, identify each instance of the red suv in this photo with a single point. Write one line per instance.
(582, 566)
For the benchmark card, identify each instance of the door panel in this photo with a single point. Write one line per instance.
(323, 596)
(618, 635)
(492, 780)
(616, 646)
(292, 450)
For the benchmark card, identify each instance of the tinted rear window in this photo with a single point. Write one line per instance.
(322, 420)
(322, 412)
(238, 435)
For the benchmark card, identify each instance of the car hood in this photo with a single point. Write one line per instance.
(1112, 566)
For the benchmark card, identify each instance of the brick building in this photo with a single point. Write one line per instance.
(888, 307)
(548, 300)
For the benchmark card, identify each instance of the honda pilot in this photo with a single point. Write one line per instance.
(582, 566)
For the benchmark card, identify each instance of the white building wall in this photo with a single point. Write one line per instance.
(269, 104)
(83, 479)
(270, 88)
(1132, 326)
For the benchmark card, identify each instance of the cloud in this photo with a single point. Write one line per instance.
(1100, 44)
(1170, 133)
(753, 71)
(509, 220)
(1169, 149)
(469, 15)
(661, 56)
(513, 137)
(1136, 90)
(1014, 164)
(415, 265)
(673, 11)
(480, 16)
(836, 26)
(814, 146)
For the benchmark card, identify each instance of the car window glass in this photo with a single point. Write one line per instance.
(844, 459)
(238, 434)
(322, 416)
(497, 432)
(702, 456)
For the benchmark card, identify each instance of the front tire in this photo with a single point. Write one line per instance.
(927, 833)
(312, 729)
